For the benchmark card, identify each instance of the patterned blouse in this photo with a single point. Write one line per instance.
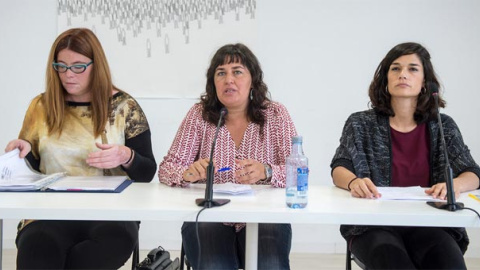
(68, 151)
(194, 140)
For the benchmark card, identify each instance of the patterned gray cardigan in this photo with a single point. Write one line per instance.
(365, 150)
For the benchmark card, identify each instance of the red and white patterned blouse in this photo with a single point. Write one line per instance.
(194, 140)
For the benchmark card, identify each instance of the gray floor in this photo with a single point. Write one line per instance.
(298, 261)
(305, 261)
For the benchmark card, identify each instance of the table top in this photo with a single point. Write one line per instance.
(155, 201)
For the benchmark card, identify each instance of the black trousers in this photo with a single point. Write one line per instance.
(407, 248)
(224, 248)
(51, 244)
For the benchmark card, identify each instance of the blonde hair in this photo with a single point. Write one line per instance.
(84, 42)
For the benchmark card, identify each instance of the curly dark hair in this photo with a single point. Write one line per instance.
(235, 53)
(380, 98)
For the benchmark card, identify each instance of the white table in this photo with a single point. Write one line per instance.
(154, 201)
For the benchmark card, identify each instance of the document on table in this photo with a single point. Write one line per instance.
(232, 188)
(89, 183)
(16, 175)
(415, 193)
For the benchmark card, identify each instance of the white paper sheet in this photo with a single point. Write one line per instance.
(415, 193)
(232, 188)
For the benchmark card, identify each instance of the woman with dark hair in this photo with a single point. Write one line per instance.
(397, 143)
(254, 141)
(82, 125)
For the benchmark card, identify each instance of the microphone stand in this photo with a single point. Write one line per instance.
(208, 202)
(450, 205)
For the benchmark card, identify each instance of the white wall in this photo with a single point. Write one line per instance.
(318, 56)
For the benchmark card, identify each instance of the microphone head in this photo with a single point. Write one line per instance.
(223, 111)
(433, 88)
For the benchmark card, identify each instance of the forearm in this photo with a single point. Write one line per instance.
(143, 166)
(171, 173)
(466, 181)
(342, 177)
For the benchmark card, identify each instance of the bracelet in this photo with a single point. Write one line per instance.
(130, 158)
(348, 186)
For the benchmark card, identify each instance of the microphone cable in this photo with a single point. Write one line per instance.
(198, 237)
(473, 210)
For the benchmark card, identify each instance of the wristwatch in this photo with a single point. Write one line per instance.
(268, 171)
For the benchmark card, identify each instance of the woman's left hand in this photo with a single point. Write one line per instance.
(249, 171)
(110, 156)
(464, 182)
(439, 191)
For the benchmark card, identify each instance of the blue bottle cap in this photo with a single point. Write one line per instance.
(297, 139)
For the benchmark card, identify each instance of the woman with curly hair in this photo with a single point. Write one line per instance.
(254, 141)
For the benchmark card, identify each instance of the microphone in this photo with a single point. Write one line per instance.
(450, 205)
(208, 202)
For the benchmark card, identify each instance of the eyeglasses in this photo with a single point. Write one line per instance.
(79, 68)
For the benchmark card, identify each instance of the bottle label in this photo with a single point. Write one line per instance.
(302, 179)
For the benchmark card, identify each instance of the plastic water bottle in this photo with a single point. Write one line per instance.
(297, 175)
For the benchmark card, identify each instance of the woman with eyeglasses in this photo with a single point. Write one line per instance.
(82, 125)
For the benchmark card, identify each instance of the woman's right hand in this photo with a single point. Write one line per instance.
(22, 145)
(364, 188)
(196, 171)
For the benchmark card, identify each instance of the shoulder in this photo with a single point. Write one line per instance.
(38, 99)
(367, 121)
(446, 118)
(37, 103)
(124, 100)
(195, 112)
(448, 123)
(365, 117)
(275, 109)
(194, 116)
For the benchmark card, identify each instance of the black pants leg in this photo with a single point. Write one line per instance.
(48, 244)
(433, 248)
(408, 248)
(381, 249)
(224, 248)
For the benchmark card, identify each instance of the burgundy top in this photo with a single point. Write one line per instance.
(410, 157)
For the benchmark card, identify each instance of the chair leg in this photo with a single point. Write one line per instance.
(182, 257)
(349, 259)
(135, 257)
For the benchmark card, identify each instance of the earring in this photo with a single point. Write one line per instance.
(386, 89)
(251, 93)
(423, 90)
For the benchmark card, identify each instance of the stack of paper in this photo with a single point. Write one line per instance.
(405, 193)
(16, 175)
(232, 188)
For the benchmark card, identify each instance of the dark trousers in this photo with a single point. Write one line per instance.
(224, 248)
(49, 244)
(407, 248)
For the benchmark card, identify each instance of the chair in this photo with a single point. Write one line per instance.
(350, 258)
